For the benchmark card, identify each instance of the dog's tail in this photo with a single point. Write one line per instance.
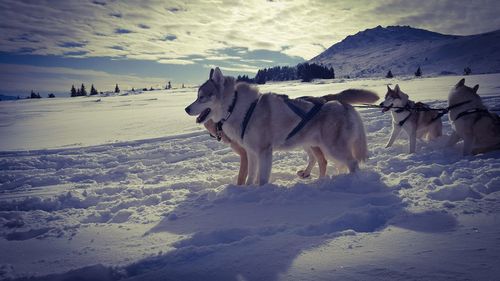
(359, 146)
(352, 96)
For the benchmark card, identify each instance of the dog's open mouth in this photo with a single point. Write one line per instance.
(385, 108)
(203, 115)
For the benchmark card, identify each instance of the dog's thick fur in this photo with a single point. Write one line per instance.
(314, 156)
(480, 131)
(337, 129)
(420, 124)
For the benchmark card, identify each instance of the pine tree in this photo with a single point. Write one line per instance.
(133, 90)
(169, 85)
(389, 74)
(73, 91)
(93, 91)
(467, 71)
(51, 95)
(419, 72)
(78, 93)
(83, 92)
(117, 90)
(151, 88)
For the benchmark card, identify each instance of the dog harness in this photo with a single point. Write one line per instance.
(480, 112)
(248, 115)
(446, 110)
(306, 116)
(408, 107)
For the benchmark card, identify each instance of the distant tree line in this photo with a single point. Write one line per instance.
(82, 91)
(304, 71)
(418, 73)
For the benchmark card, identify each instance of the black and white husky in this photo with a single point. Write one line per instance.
(410, 116)
(471, 120)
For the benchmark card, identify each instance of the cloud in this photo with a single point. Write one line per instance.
(173, 30)
(446, 16)
(122, 31)
(175, 61)
(72, 44)
(170, 37)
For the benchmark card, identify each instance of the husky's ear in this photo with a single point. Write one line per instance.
(211, 74)
(389, 88)
(217, 77)
(460, 83)
(396, 88)
(475, 88)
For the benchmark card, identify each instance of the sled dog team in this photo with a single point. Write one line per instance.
(328, 127)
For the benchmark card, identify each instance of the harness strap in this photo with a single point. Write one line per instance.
(446, 110)
(297, 110)
(457, 104)
(248, 115)
(402, 122)
(472, 111)
(306, 118)
(405, 108)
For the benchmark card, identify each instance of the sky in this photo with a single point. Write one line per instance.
(48, 45)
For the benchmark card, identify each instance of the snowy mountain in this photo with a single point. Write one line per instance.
(401, 49)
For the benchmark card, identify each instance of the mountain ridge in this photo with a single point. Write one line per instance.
(402, 49)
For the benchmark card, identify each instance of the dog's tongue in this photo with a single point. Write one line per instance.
(203, 115)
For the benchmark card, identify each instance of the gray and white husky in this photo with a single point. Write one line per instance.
(471, 120)
(261, 123)
(410, 116)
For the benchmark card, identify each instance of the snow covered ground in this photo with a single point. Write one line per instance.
(129, 187)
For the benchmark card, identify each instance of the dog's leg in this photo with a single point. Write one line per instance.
(413, 139)
(252, 167)
(305, 173)
(265, 164)
(343, 156)
(242, 174)
(454, 138)
(322, 163)
(395, 133)
(468, 144)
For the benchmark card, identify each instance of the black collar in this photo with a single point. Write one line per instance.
(458, 104)
(407, 107)
(231, 108)
(218, 125)
(473, 111)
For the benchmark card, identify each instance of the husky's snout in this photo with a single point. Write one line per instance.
(188, 110)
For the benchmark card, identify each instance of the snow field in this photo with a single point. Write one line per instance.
(160, 204)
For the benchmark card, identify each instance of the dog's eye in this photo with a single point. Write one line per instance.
(205, 98)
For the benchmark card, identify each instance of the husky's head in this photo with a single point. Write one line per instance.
(461, 89)
(394, 98)
(210, 100)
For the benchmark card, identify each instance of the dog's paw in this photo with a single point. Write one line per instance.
(303, 174)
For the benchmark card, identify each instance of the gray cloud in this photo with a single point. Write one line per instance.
(173, 30)
(446, 16)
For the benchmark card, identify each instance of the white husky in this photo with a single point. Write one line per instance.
(410, 116)
(261, 123)
(472, 122)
